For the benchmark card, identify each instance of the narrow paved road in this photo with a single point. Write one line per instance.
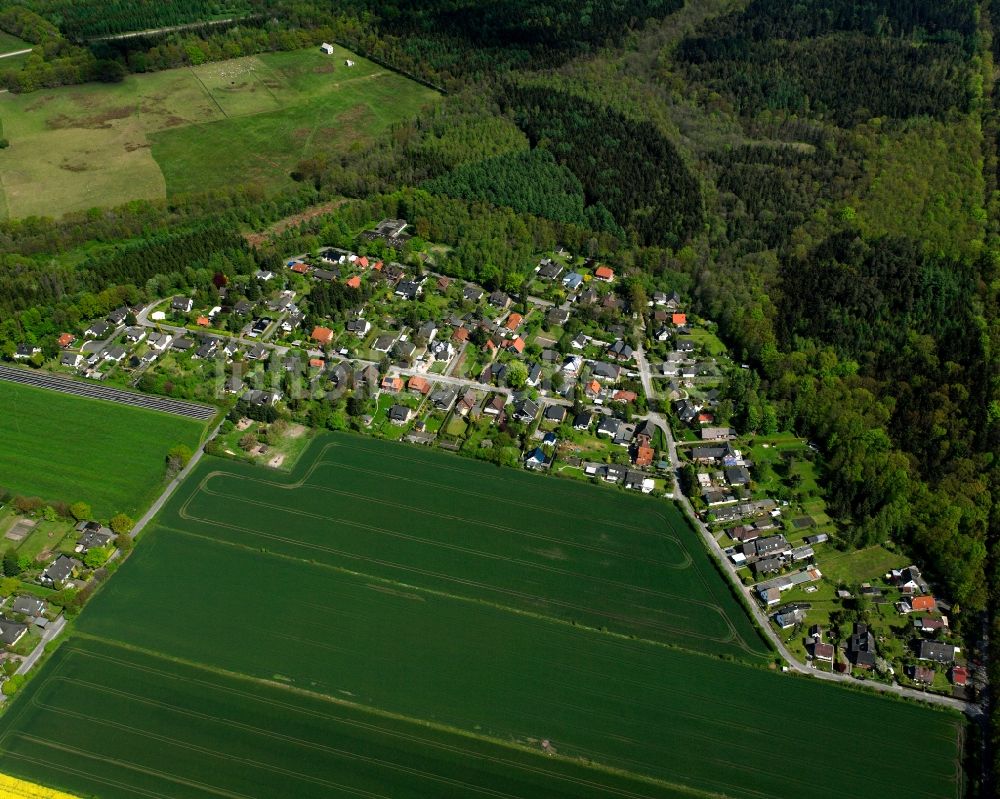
(50, 632)
(730, 570)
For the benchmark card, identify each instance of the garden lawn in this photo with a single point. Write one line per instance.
(65, 448)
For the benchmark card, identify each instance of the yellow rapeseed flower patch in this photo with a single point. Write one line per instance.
(13, 788)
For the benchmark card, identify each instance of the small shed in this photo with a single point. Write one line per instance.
(326, 48)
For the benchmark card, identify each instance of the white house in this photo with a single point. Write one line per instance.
(326, 48)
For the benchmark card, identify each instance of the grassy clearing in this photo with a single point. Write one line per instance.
(65, 448)
(599, 558)
(191, 129)
(9, 43)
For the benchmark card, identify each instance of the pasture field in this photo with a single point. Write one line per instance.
(65, 448)
(137, 691)
(191, 129)
(608, 559)
(11, 44)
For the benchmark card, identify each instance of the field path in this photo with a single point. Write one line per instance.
(16, 52)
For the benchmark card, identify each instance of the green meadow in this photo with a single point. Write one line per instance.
(223, 661)
(65, 448)
(191, 129)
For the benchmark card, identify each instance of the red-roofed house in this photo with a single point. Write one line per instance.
(705, 418)
(362, 261)
(644, 456)
(66, 339)
(593, 388)
(353, 282)
(679, 319)
(299, 267)
(460, 334)
(513, 321)
(625, 396)
(202, 321)
(377, 266)
(322, 334)
(605, 273)
(393, 384)
(959, 675)
(923, 603)
(419, 384)
(517, 345)
(317, 363)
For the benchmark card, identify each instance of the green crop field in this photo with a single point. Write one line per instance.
(329, 650)
(605, 559)
(65, 448)
(188, 130)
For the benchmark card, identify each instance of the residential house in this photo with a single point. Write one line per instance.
(400, 414)
(936, 651)
(181, 304)
(472, 293)
(737, 475)
(861, 647)
(57, 573)
(604, 273)
(608, 427)
(549, 269)
(513, 321)
(583, 420)
(98, 329)
(614, 473)
(392, 384)
(359, 327)
(11, 631)
(467, 403)
(418, 385)
(408, 289)
(384, 342)
(71, 359)
(27, 605)
(65, 340)
(620, 351)
(516, 346)
(557, 317)
(606, 371)
(643, 456)
(499, 300)
(555, 413)
(443, 399)
(258, 398)
(536, 459)
(525, 410)
(159, 341)
(495, 405)
(572, 281)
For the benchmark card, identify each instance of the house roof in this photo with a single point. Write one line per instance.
(604, 273)
(418, 383)
(354, 282)
(323, 335)
(923, 603)
(517, 345)
(514, 321)
(679, 319)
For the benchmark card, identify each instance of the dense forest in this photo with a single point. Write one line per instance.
(817, 177)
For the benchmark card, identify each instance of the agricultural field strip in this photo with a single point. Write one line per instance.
(285, 510)
(727, 729)
(67, 385)
(684, 631)
(256, 698)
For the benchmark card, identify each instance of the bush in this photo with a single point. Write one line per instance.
(80, 511)
(121, 523)
(12, 684)
(4, 144)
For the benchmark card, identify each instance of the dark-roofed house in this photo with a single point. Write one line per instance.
(11, 631)
(525, 410)
(30, 606)
(861, 647)
(400, 414)
(620, 351)
(766, 566)
(181, 304)
(442, 399)
(93, 534)
(59, 571)
(608, 426)
(555, 413)
(583, 420)
(737, 476)
(936, 651)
